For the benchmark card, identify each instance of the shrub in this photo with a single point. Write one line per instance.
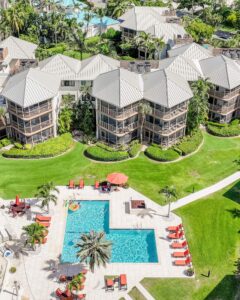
(224, 131)
(5, 142)
(235, 122)
(18, 146)
(189, 143)
(106, 147)
(156, 153)
(190, 272)
(12, 270)
(101, 154)
(50, 148)
(134, 149)
(27, 146)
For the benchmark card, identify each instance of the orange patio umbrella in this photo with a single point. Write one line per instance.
(17, 201)
(117, 178)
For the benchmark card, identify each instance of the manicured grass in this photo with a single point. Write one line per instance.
(213, 237)
(136, 294)
(213, 162)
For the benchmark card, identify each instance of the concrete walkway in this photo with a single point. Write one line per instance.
(204, 192)
(144, 292)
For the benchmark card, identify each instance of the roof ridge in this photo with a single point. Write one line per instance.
(16, 42)
(63, 59)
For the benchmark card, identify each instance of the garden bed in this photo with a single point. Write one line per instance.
(224, 130)
(102, 152)
(50, 148)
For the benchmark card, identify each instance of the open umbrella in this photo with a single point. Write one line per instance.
(117, 178)
(17, 201)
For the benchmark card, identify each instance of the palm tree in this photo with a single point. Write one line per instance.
(34, 233)
(45, 194)
(143, 109)
(101, 13)
(169, 192)
(94, 249)
(119, 8)
(144, 41)
(159, 44)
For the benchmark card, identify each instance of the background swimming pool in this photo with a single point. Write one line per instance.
(129, 246)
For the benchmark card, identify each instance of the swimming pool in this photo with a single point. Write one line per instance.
(129, 245)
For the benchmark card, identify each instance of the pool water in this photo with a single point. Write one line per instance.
(129, 245)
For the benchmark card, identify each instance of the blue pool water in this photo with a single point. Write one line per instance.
(129, 246)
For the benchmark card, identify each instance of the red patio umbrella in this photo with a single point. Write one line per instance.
(117, 178)
(17, 201)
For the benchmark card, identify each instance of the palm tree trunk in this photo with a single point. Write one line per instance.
(169, 208)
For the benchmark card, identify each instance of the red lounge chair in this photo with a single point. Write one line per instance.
(109, 285)
(81, 296)
(175, 235)
(71, 184)
(81, 184)
(43, 218)
(176, 245)
(96, 186)
(123, 281)
(183, 262)
(59, 292)
(45, 224)
(181, 254)
(174, 228)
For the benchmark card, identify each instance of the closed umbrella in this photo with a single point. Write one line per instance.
(17, 201)
(117, 178)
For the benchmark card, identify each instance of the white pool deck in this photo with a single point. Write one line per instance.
(38, 272)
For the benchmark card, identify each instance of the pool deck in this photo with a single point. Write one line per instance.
(38, 271)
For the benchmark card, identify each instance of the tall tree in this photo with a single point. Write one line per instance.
(65, 120)
(45, 194)
(144, 41)
(170, 193)
(144, 109)
(198, 106)
(94, 249)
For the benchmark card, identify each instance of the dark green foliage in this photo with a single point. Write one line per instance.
(134, 149)
(50, 148)
(224, 130)
(101, 154)
(156, 153)
(190, 143)
(5, 142)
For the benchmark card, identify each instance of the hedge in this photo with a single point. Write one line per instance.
(50, 148)
(5, 142)
(134, 149)
(100, 154)
(224, 130)
(189, 143)
(156, 153)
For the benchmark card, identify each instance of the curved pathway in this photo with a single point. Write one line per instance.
(205, 192)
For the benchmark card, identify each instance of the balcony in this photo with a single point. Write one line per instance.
(119, 114)
(169, 115)
(165, 131)
(32, 129)
(32, 113)
(225, 95)
(223, 109)
(118, 130)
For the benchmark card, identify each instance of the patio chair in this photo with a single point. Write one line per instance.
(81, 296)
(81, 184)
(109, 285)
(43, 218)
(123, 282)
(174, 228)
(179, 245)
(181, 254)
(175, 235)
(45, 224)
(183, 262)
(58, 292)
(71, 184)
(96, 186)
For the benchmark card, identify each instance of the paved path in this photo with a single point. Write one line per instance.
(204, 192)
(144, 292)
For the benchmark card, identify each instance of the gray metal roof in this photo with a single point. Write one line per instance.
(18, 48)
(122, 87)
(30, 87)
(190, 51)
(118, 87)
(166, 88)
(221, 71)
(140, 18)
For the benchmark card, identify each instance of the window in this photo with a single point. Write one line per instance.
(69, 83)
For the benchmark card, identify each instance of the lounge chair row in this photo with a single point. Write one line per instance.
(121, 280)
(72, 185)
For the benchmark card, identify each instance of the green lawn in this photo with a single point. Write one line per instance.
(213, 162)
(136, 294)
(213, 236)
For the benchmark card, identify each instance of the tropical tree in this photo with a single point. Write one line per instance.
(45, 194)
(65, 120)
(170, 193)
(198, 106)
(145, 42)
(116, 8)
(144, 109)
(77, 282)
(94, 249)
(199, 30)
(101, 13)
(87, 121)
(158, 45)
(68, 101)
(34, 233)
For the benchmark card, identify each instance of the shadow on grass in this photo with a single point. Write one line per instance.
(234, 193)
(226, 289)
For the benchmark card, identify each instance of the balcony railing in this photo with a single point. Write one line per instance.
(225, 94)
(169, 115)
(223, 109)
(32, 129)
(118, 130)
(165, 130)
(119, 114)
(32, 113)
